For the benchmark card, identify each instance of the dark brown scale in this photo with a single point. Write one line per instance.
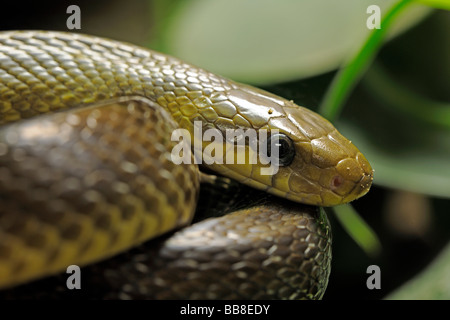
(295, 265)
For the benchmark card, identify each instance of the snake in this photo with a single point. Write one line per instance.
(86, 174)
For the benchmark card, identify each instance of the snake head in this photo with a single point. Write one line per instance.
(327, 168)
(317, 165)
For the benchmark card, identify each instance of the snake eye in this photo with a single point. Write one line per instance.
(286, 151)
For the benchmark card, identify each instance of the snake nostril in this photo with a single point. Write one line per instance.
(336, 182)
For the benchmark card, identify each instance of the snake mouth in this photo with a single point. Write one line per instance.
(361, 187)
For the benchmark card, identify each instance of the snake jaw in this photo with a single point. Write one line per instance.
(362, 187)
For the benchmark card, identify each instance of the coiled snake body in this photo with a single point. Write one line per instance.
(87, 173)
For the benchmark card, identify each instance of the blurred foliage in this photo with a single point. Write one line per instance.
(438, 4)
(266, 41)
(364, 236)
(351, 72)
(431, 284)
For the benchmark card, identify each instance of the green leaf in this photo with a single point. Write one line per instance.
(350, 74)
(266, 41)
(358, 229)
(438, 4)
